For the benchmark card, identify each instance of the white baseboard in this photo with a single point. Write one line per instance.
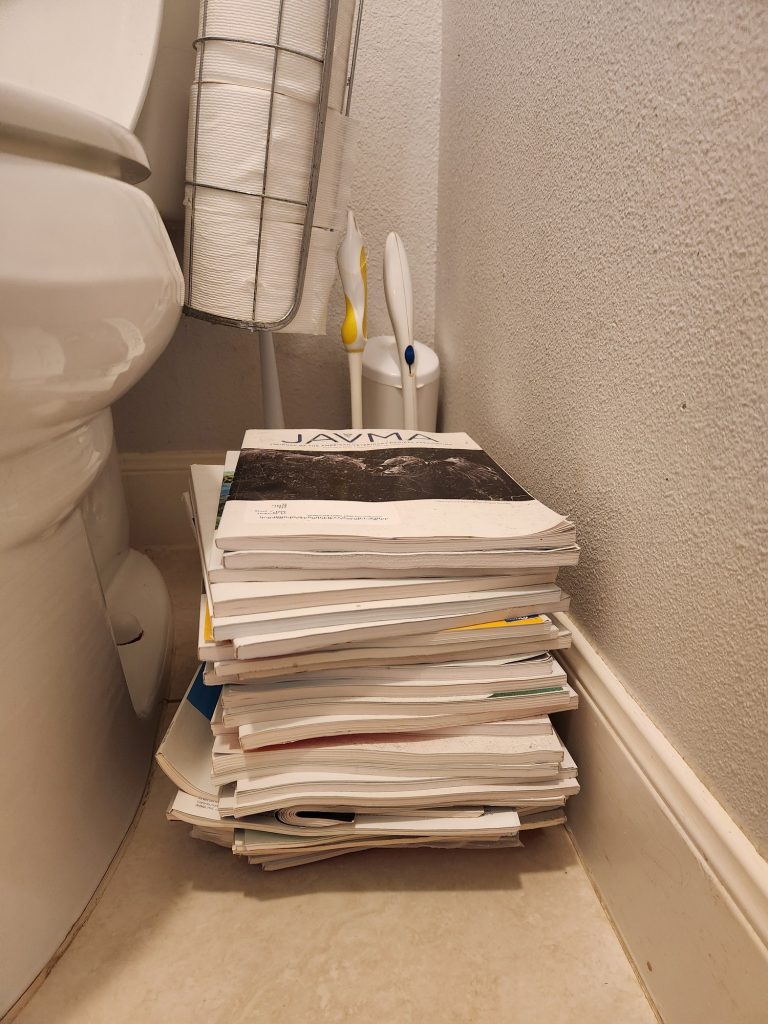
(687, 891)
(154, 483)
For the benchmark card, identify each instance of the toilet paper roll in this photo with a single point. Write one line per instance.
(302, 27)
(231, 145)
(296, 75)
(320, 276)
(334, 187)
(251, 66)
(220, 260)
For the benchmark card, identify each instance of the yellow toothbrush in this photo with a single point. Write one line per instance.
(354, 281)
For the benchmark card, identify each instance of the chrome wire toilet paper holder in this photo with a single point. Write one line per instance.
(270, 384)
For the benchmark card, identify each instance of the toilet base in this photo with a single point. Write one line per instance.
(75, 755)
(138, 591)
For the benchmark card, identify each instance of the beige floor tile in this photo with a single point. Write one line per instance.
(184, 932)
(187, 933)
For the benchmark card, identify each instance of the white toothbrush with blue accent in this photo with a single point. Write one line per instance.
(399, 295)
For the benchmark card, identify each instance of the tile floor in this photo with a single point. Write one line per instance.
(184, 932)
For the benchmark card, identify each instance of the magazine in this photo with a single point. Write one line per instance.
(379, 491)
(277, 725)
(476, 606)
(208, 489)
(255, 797)
(185, 752)
(540, 670)
(410, 651)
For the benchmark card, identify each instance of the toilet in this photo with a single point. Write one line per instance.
(90, 294)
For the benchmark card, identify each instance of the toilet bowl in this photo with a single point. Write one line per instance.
(90, 293)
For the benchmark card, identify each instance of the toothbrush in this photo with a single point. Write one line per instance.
(354, 281)
(399, 295)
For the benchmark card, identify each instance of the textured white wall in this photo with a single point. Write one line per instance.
(601, 305)
(204, 391)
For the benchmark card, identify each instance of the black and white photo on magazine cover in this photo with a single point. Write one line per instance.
(379, 474)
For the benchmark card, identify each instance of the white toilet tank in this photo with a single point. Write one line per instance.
(95, 54)
(162, 126)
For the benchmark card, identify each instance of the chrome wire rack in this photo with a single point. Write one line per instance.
(270, 191)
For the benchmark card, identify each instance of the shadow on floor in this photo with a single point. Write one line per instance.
(188, 862)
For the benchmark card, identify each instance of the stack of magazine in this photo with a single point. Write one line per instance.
(375, 638)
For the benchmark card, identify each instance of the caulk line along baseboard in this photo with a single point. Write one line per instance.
(687, 890)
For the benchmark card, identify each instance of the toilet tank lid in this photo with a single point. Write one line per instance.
(38, 125)
(95, 54)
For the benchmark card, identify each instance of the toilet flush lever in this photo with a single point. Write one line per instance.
(126, 628)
